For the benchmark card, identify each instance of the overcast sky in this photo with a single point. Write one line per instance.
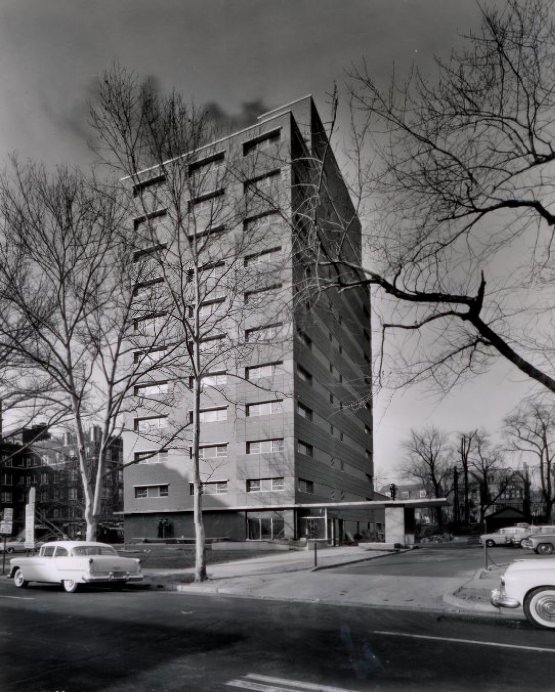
(232, 52)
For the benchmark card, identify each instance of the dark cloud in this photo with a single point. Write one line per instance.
(226, 122)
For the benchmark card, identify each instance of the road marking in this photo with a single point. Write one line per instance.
(19, 598)
(264, 683)
(465, 641)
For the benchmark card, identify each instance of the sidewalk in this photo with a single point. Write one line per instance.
(270, 577)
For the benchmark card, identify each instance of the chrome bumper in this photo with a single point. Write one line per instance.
(499, 599)
(106, 578)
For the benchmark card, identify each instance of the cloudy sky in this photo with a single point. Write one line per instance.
(232, 52)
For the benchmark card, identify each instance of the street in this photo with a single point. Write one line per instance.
(161, 641)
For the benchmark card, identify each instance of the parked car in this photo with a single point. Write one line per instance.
(542, 543)
(529, 584)
(534, 531)
(71, 563)
(507, 536)
(16, 545)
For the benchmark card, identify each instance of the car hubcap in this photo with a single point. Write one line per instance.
(545, 608)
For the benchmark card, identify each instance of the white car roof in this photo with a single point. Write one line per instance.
(74, 544)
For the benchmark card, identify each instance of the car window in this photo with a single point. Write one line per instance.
(48, 551)
(86, 550)
(61, 552)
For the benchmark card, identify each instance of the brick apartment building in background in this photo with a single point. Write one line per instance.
(49, 464)
(287, 424)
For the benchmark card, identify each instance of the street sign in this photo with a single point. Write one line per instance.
(6, 528)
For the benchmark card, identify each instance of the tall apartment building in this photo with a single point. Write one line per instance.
(286, 414)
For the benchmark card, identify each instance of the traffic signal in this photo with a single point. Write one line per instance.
(393, 491)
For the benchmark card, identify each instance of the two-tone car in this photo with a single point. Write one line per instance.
(537, 530)
(541, 543)
(73, 563)
(505, 537)
(530, 585)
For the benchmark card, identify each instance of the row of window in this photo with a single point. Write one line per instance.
(216, 379)
(215, 161)
(220, 450)
(252, 485)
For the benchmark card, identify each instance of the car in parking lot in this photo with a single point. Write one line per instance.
(506, 536)
(537, 530)
(15, 545)
(529, 584)
(541, 543)
(72, 563)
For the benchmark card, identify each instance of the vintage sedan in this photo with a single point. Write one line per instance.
(541, 543)
(529, 584)
(71, 563)
(17, 545)
(505, 537)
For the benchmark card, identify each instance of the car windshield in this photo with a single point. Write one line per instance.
(85, 550)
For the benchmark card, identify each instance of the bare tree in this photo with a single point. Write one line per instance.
(459, 215)
(464, 452)
(427, 460)
(68, 281)
(488, 470)
(531, 431)
(192, 211)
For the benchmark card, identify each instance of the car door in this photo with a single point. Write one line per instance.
(39, 567)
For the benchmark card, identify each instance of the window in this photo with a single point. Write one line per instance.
(210, 270)
(208, 172)
(261, 143)
(306, 486)
(255, 372)
(304, 448)
(306, 340)
(268, 332)
(73, 493)
(303, 374)
(211, 488)
(151, 389)
(148, 251)
(265, 446)
(207, 308)
(304, 411)
(257, 485)
(211, 379)
(150, 324)
(264, 408)
(154, 182)
(263, 257)
(145, 491)
(211, 415)
(150, 356)
(211, 345)
(261, 293)
(264, 185)
(211, 451)
(151, 457)
(150, 424)
(148, 225)
(422, 493)
(6, 496)
(147, 288)
(206, 206)
(7, 478)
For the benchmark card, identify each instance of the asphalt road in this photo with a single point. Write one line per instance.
(161, 641)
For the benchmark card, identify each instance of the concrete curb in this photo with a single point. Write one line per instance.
(361, 559)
